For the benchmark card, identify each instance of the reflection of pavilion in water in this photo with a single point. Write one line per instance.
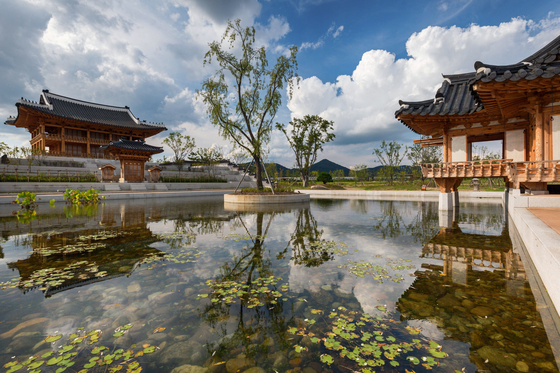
(479, 296)
(462, 253)
(122, 247)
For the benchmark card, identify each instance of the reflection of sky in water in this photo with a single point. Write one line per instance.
(381, 233)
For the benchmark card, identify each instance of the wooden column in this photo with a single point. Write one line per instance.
(547, 152)
(63, 142)
(87, 146)
(122, 178)
(445, 145)
(539, 133)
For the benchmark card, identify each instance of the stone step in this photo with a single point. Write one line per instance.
(111, 187)
(137, 186)
(160, 186)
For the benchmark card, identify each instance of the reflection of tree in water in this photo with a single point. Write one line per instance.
(390, 224)
(304, 236)
(483, 221)
(253, 325)
(425, 224)
(359, 205)
(327, 204)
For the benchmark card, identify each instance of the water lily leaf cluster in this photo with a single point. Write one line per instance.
(333, 247)
(176, 236)
(182, 256)
(379, 272)
(51, 277)
(76, 248)
(81, 350)
(103, 235)
(260, 292)
(366, 341)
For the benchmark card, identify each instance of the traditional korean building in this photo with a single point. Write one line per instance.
(518, 104)
(64, 126)
(132, 156)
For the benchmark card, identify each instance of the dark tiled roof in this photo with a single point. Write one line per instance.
(545, 63)
(70, 108)
(454, 97)
(133, 145)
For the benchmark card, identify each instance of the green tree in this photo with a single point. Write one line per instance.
(271, 169)
(208, 156)
(181, 145)
(359, 172)
(238, 156)
(338, 174)
(257, 89)
(419, 155)
(325, 177)
(4, 148)
(32, 155)
(389, 155)
(306, 139)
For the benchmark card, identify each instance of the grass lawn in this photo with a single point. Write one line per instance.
(397, 185)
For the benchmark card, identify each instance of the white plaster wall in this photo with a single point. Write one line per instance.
(515, 145)
(556, 137)
(459, 148)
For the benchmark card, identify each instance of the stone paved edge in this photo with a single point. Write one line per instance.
(402, 195)
(543, 246)
(46, 197)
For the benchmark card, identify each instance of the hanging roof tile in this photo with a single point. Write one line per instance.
(69, 108)
(544, 63)
(452, 98)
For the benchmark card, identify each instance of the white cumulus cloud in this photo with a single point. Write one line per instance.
(362, 104)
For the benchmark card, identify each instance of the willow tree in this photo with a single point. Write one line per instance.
(244, 94)
(306, 139)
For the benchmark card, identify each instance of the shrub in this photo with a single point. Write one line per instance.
(324, 177)
(77, 197)
(26, 200)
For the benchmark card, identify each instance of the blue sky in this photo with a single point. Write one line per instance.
(356, 58)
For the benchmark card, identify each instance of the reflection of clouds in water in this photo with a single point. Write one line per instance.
(311, 278)
(429, 330)
(357, 232)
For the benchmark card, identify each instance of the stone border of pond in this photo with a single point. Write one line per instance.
(260, 199)
(47, 197)
(495, 197)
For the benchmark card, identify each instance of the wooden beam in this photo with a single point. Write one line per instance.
(489, 129)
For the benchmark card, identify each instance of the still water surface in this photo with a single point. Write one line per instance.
(334, 286)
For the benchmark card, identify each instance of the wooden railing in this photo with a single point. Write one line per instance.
(75, 139)
(83, 155)
(516, 172)
(486, 168)
(535, 171)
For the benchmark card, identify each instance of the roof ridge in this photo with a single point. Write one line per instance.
(31, 103)
(86, 103)
(554, 44)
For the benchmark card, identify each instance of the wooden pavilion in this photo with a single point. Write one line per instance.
(67, 127)
(518, 104)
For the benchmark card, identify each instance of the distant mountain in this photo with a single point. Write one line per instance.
(372, 171)
(327, 166)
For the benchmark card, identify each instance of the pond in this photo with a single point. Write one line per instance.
(191, 285)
